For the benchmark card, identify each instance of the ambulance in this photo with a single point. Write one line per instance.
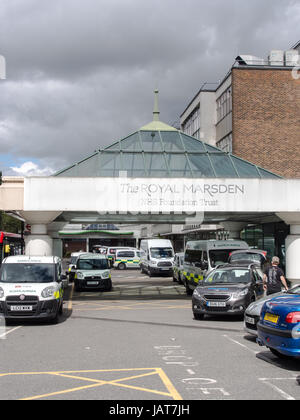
(127, 258)
(31, 288)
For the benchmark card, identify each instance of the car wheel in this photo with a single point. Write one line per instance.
(280, 355)
(77, 288)
(122, 266)
(199, 317)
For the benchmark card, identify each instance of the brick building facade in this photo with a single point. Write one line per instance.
(254, 113)
(266, 118)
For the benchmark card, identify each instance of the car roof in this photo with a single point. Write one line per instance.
(21, 259)
(241, 265)
(249, 251)
(88, 255)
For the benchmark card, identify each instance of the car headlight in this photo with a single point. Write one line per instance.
(106, 275)
(242, 293)
(1, 292)
(48, 292)
(197, 293)
(80, 276)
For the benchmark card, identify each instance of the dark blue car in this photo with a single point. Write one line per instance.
(279, 325)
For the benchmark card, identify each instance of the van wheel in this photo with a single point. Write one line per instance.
(55, 320)
(61, 309)
(122, 266)
(189, 291)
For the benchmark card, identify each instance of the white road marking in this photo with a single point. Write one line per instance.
(284, 395)
(3, 336)
(240, 344)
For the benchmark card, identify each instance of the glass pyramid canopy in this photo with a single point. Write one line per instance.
(158, 150)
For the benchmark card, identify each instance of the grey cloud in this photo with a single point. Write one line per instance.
(80, 75)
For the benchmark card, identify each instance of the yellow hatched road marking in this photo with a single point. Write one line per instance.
(171, 391)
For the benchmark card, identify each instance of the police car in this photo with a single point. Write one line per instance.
(31, 288)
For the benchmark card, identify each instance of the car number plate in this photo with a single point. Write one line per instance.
(21, 308)
(250, 320)
(92, 283)
(217, 304)
(271, 318)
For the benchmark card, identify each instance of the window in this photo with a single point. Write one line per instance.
(125, 254)
(224, 104)
(193, 256)
(192, 125)
(225, 144)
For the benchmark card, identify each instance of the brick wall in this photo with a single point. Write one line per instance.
(266, 119)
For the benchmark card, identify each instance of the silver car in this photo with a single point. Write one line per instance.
(252, 313)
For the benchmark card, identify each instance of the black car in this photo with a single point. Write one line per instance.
(228, 289)
(250, 256)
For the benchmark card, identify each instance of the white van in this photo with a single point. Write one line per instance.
(157, 256)
(92, 272)
(200, 257)
(127, 258)
(31, 288)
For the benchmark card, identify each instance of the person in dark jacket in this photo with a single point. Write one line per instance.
(274, 278)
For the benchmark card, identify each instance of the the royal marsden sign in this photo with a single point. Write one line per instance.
(160, 195)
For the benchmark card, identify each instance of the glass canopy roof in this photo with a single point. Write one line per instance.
(164, 153)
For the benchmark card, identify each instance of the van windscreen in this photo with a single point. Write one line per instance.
(161, 252)
(92, 264)
(27, 273)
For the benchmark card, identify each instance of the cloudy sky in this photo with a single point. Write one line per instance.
(81, 73)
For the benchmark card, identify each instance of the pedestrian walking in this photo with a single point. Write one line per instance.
(274, 278)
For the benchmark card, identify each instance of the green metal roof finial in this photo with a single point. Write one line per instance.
(156, 110)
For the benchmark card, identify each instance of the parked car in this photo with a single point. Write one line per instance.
(201, 257)
(227, 290)
(92, 272)
(254, 256)
(279, 324)
(178, 267)
(127, 258)
(253, 311)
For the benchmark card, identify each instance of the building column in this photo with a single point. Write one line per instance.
(292, 246)
(39, 243)
(292, 253)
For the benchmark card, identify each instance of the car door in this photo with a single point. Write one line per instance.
(258, 287)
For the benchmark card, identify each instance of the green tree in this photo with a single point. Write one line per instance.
(9, 223)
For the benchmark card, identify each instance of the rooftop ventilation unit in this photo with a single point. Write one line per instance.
(251, 60)
(276, 58)
(292, 58)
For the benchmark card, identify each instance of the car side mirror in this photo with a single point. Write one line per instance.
(64, 281)
(204, 265)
